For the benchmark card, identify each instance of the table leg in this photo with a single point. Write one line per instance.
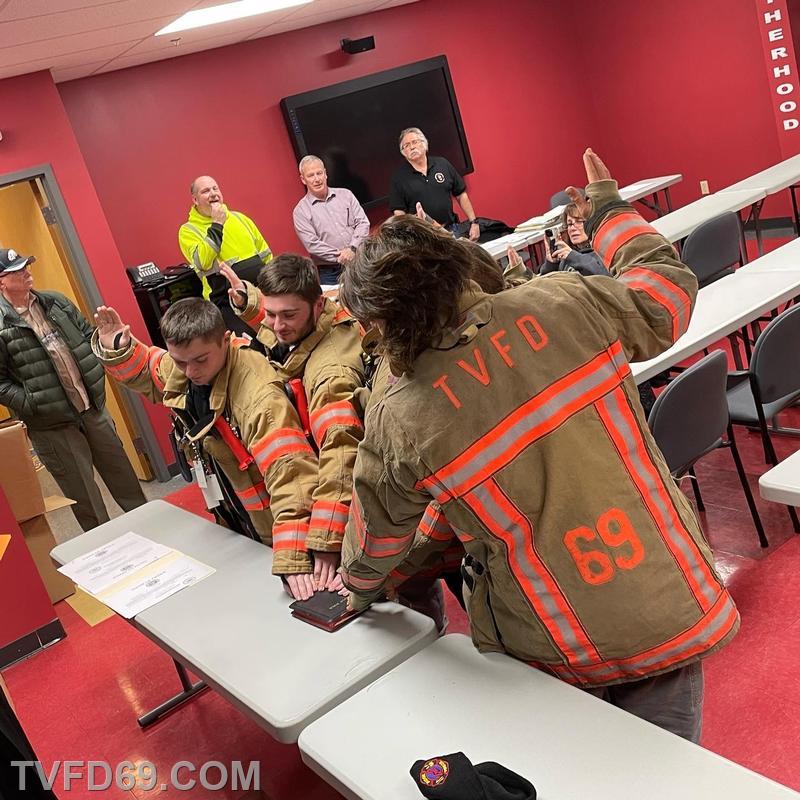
(795, 216)
(742, 240)
(756, 213)
(189, 691)
(668, 198)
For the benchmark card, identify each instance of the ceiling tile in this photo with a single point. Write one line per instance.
(133, 59)
(97, 18)
(238, 29)
(61, 74)
(22, 9)
(60, 45)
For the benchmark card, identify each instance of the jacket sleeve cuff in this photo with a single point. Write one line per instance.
(252, 312)
(291, 562)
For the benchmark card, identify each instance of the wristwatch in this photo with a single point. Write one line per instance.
(472, 221)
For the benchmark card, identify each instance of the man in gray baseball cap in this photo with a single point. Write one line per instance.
(51, 380)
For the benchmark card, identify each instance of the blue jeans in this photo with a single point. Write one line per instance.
(329, 274)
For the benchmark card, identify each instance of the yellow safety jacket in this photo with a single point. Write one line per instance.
(241, 240)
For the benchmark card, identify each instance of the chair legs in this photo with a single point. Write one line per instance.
(696, 489)
(795, 521)
(770, 456)
(751, 503)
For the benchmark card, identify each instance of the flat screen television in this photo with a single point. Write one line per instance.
(354, 126)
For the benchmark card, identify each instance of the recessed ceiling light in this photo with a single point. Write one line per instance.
(226, 12)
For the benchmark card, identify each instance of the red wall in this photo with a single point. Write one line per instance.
(681, 86)
(39, 132)
(147, 131)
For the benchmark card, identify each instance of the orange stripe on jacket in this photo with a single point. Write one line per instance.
(623, 430)
(664, 292)
(131, 366)
(531, 421)
(339, 413)
(289, 536)
(154, 361)
(617, 231)
(507, 523)
(277, 444)
(702, 636)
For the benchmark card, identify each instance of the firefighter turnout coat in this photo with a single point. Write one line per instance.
(524, 423)
(277, 487)
(328, 361)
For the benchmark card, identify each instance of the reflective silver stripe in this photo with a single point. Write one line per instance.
(609, 232)
(285, 440)
(665, 287)
(209, 241)
(376, 547)
(294, 535)
(348, 415)
(635, 449)
(264, 253)
(517, 435)
(522, 540)
(328, 516)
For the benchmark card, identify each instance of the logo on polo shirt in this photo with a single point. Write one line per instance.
(438, 177)
(434, 772)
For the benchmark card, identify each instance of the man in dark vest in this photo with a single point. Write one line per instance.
(51, 380)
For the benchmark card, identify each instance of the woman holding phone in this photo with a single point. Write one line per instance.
(573, 253)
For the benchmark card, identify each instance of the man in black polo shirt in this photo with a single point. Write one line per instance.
(431, 181)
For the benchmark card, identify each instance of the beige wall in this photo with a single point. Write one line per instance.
(22, 227)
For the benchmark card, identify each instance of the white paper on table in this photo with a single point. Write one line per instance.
(98, 569)
(154, 583)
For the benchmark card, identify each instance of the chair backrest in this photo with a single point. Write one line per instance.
(691, 415)
(560, 199)
(712, 249)
(775, 362)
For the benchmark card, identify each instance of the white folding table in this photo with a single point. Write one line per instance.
(681, 222)
(785, 258)
(647, 187)
(784, 175)
(234, 629)
(650, 187)
(781, 484)
(724, 307)
(569, 744)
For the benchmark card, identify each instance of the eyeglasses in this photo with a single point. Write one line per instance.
(412, 143)
(575, 223)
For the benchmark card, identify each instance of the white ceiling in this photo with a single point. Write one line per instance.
(76, 38)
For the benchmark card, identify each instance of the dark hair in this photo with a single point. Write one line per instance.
(410, 276)
(192, 318)
(290, 273)
(486, 272)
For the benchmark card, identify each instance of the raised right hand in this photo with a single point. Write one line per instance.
(109, 325)
(236, 284)
(596, 170)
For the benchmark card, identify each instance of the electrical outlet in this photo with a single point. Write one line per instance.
(704, 187)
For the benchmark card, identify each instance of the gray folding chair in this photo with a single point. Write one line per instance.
(561, 199)
(690, 419)
(711, 250)
(770, 384)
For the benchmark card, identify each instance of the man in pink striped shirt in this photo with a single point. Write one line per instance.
(329, 222)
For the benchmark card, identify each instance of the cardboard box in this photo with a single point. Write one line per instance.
(40, 540)
(17, 474)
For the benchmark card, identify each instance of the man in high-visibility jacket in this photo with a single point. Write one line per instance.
(232, 404)
(518, 414)
(307, 336)
(212, 235)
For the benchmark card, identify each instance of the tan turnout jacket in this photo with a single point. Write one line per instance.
(329, 363)
(276, 489)
(524, 424)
